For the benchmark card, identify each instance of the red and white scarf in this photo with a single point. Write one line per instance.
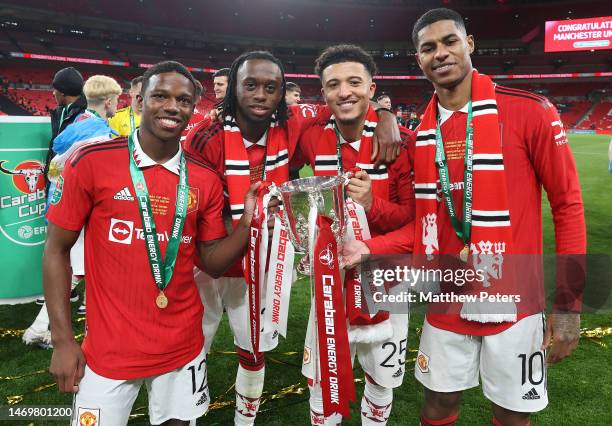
(491, 234)
(275, 290)
(237, 168)
(326, 164)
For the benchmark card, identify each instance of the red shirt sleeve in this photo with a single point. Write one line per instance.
(386, 215)
(395, 242)
(210, 220)
(555, 167)
(205, 142)
(70, 207)
(303, 117)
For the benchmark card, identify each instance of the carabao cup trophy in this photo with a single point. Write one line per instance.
(303, 199)
(314, 214)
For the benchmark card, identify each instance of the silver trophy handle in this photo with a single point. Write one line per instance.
(274, 191)
(346, 176)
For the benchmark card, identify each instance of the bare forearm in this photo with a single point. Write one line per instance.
(217, 257)
(56, 280)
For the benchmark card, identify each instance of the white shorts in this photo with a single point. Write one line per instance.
(511, 364)
(382, 361)
(229, 293)
(180, 394)
(77, 255)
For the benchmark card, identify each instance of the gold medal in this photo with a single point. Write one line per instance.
(161, 301)
(463, 254)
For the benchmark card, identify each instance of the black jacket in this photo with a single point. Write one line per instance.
(74, 109)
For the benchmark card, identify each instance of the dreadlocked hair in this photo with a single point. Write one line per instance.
(230, 100)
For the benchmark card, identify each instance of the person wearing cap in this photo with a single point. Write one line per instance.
(68, 93)
(91, 126)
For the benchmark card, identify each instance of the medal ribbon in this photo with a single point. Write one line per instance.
(334, 351)
(463, 228)
(338, 151)
(160, 269)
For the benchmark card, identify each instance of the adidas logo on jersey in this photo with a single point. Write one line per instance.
(398, 373)
(124, 195)
(532, 394)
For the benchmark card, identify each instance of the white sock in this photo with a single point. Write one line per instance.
(41, 323)
(316, 408)
(249, 386)
(375, 404)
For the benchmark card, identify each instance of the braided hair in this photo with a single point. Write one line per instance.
(230, 100)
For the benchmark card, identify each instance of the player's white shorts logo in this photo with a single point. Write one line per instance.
(422, 362)
(120, 231)
(88, 416)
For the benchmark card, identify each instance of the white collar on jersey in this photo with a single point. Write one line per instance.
(446, 113)
(143, 160)
(261, 142)
(355, 144)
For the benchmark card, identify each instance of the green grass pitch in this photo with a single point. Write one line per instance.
(580, 388)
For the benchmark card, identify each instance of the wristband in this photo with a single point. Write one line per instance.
(383, 109)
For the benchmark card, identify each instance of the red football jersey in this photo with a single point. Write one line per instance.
(205, 141)
(128, 336)
(196, 117)
(536, 154)
(384, 215)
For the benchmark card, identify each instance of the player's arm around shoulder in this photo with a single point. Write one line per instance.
(399, 209)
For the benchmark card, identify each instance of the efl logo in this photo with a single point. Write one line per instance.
(121, 231)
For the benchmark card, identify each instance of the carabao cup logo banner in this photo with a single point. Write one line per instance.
(23, 148)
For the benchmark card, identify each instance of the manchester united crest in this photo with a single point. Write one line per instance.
(193, 199)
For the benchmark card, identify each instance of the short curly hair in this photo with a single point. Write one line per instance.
(345, 53)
